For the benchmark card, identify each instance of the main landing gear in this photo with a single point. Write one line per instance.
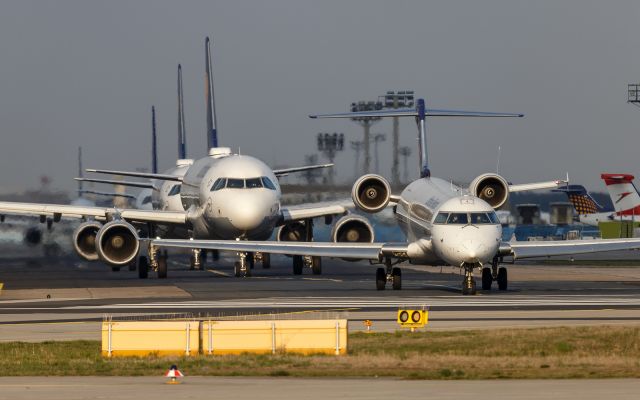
(495, 273)
(156, 262)
(264, 258)
(313, 262)
(388, 274)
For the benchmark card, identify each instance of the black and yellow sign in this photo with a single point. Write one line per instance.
(413, 318)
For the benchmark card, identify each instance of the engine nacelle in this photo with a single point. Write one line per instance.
(491, 188)
(84, 240)
(117, 243)
(371, 193)
(293, 232)
(352, 229)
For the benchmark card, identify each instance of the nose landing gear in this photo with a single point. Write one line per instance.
(242, 268)
(469, 282)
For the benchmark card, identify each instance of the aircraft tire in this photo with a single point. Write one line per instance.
(192, 263)
(381, 279)
(162, 268)
(143, 267)
(487, 279)
(396, 275)
(266, 260)
(502, 278)
(250, 261)
(316, 265)
(236, 269)
(298, 263)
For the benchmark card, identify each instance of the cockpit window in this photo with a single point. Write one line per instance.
(441, 218)
(218, 184)
(480, 218)
(494, 218)
(267, 183)
(458, 218)
(235, 183)
(175, 190)
(253, 183)
(146, 200)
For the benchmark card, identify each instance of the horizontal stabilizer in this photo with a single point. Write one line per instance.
(287, 171)
(162, 177)
(145, 185)
(536, 186)
(412, 112)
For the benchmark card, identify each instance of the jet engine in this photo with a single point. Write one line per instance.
(491, 188)
(117, 243)
(84, 240)
(33, 236)
(352, 229)
(293, 232)
(371, 193)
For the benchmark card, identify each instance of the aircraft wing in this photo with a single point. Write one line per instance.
(287, 171)
(536, 186)
(109, 194)
(370, 251)
(145, 185)
(101, 213)
(162, 177)
(567, 247)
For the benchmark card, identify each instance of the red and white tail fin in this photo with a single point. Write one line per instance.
(624, 195)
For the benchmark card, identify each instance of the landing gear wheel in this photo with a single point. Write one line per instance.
(487, 278)
(381, 279)
(396, 278)
(502, 278)
(316, 265)
(115, 269)
(251, 261)
(236, 269)
(143, 267)
(162, 267)
(192, 263)
(469, 287)
(203, 256)
(266, 260)
(298, 263)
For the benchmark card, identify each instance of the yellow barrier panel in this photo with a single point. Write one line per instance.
(290, 336)
(138, 338)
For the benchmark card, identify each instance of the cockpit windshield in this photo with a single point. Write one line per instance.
(474, 218)
(237, 183)
(175, 190)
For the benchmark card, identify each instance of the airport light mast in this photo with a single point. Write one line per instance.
(366, 123)
(394, 100)
(357, 147)
(633, 97)
(377, 138)
(329, 144)
(405, 152)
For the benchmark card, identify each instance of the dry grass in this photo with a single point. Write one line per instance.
(580, 352)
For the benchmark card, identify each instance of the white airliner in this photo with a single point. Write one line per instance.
(445, 224)
(222, 196)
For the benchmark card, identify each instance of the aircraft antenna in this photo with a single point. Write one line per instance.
(80, 170)
(182, 134)
(498, 163)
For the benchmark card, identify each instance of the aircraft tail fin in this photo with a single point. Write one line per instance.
(624, 195)
(581, 199)
(212, 133)
(182, 134)
(154, 142)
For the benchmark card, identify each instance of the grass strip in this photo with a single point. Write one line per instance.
(565, 352)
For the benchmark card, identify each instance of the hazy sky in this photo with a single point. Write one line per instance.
(87, 72)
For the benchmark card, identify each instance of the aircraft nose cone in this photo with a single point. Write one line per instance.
(249, 213)
(473, 251)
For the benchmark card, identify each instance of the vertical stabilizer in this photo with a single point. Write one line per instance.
(154, 142)
(624, 194)
(80, 170)
(212, 134)
(182, 134)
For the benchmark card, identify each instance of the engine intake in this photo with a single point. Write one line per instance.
(117, 243)
(293, 232)
(84, 240)
(491, 188)
(352, 229)
(371, 193)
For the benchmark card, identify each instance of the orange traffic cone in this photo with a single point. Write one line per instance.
(173, 373)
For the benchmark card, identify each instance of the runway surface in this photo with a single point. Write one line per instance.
(67, 298)
(71, 388)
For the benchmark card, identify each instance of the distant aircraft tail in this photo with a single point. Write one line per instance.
(581, 199)
(624, 195)
(212, 132)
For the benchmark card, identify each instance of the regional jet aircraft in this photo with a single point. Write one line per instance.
(445, 224)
